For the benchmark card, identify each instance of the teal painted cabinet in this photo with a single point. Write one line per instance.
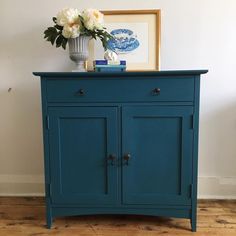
(121, 143)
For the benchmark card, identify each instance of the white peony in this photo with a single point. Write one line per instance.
(93, 19)
(68, 16)
(71, 30)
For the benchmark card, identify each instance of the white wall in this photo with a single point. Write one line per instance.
(196, 34)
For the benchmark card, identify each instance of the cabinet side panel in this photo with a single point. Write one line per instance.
(47, 178)
(45, 132)
(195, 151)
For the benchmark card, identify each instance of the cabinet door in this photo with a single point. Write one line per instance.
(81, 139)
(157, 154)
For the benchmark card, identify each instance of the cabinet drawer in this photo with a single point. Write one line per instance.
(119, 90)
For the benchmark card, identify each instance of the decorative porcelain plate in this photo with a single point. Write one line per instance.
(124, 41)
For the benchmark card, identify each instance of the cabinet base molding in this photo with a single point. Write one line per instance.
(80, 211)
(76, 211)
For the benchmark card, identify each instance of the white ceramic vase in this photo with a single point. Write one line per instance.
(79, 52)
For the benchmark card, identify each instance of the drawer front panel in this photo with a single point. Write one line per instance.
(120, 90)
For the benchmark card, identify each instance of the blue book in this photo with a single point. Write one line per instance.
(110, 66)
(110, 69)
(106, 62)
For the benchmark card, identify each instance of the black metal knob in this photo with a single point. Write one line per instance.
(127, 157)
(81, 92)
(112, 159)
(156, 91)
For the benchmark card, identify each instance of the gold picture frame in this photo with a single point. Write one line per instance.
(147, 57)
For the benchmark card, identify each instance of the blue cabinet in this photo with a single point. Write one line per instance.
(121, 143)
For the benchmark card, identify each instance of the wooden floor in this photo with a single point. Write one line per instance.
(26, 216)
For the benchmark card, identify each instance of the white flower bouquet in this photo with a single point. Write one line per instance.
(71, 23)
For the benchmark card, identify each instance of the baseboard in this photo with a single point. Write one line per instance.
(21, 185)
(215, 197)
(214, 187)
(209, 187)
(22, 194)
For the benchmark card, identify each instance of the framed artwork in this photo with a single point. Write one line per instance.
(136, 38)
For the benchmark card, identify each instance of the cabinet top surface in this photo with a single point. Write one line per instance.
(78, 75)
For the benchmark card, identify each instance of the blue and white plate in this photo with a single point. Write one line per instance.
(124, 41)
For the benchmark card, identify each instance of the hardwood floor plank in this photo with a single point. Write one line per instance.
(26, 216)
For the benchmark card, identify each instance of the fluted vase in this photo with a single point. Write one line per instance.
(79, 52)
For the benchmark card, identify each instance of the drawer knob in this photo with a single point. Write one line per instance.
(156, 91)
(112, 159)
(81, 92)
(127, 157)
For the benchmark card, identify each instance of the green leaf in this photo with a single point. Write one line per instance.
(81, 20)
(53, 38)
(50, 29)
(58, 27)
(59, 41)
(54, 19)
(64, 42)
(50, 34)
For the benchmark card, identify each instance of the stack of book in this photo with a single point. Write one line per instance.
(109, 66)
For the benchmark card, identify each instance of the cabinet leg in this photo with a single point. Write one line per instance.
(193, 224)
(193, 218)
(49, 221)
(49, 217)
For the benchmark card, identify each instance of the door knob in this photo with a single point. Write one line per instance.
(81, 92)
(112, 158)
(127, 157)
(156, 91)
